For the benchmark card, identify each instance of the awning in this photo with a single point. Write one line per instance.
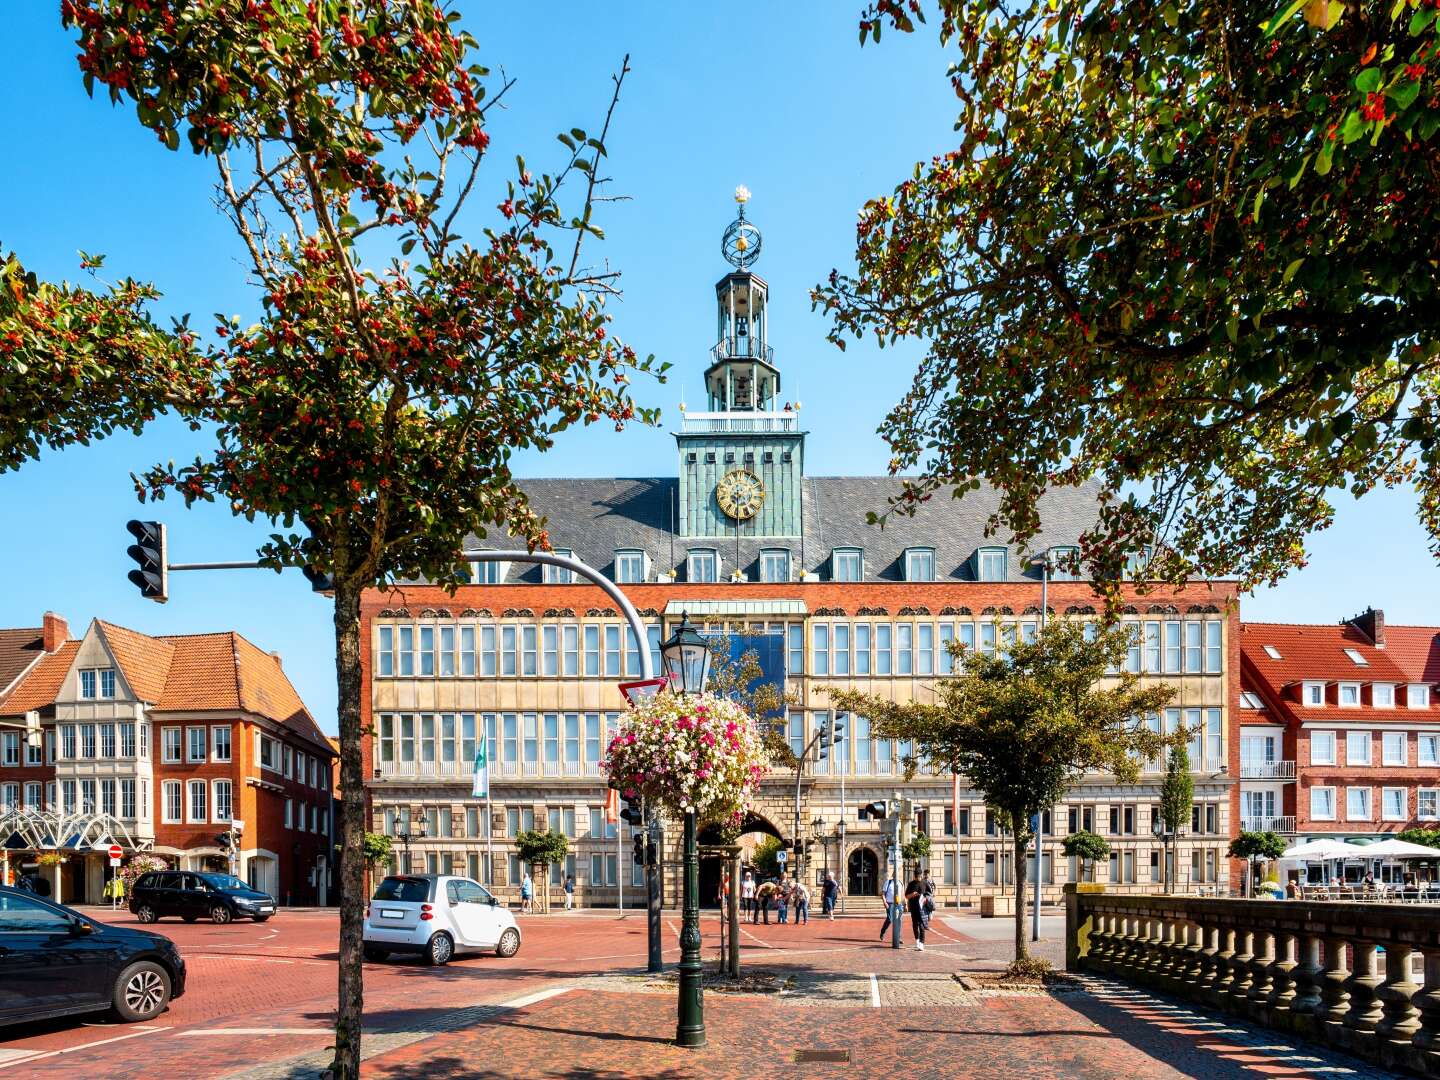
(704, 608)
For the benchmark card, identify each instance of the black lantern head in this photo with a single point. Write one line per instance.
(686, 657)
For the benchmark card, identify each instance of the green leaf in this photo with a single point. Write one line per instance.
(1232, 329)
(1170, 16)
(1352, 128)
(1290, 270)
(1282, 16)
(1322, 159)
(567, 140)
(349, 221)
(1404, 93)
(1368, 81)
(1420, 20)
(1299, 172)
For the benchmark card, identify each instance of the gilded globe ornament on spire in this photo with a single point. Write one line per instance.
(741, 243)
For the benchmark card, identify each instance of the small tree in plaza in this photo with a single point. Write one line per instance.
(916, 851)
(539, 850)
(1088, 847)
(1255, 846)
(1177, 798)
(1025, 723)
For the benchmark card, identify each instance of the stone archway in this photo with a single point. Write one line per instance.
(710, 868)
(862, 873)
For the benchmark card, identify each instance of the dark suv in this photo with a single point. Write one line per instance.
(55, 962)
(192, 895)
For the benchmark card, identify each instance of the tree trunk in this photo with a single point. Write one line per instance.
(348, 1017)
(1021, 847)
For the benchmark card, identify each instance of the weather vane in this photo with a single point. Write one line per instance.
(741, 243)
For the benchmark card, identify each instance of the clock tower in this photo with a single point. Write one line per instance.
(742, 459)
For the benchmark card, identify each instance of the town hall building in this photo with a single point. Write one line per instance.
(745, 538)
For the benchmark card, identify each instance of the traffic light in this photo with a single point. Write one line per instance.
(320, 581)
(873, 811)
(631, 814)
(153, 575)
(223, 840)
(638, 841)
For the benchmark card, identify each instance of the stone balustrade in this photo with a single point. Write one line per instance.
(1339, 973)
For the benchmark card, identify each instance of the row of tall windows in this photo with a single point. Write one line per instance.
(516, 743)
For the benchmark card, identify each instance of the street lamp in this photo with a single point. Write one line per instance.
(685, 657)
(405, 837)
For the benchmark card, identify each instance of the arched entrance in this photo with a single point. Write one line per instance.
(863, 873)
(710, 868)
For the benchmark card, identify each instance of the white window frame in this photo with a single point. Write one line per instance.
(166, 816)
(1388, 690)
(219, 818)
(1329, 758)
(190, 757)
(1316, 815)
(488, 572)
(1369, 748)
(1368, 798)
(1312, 695)
(1420, 691)
(88, 684)
(695, 558)
(289, 813)
(560, 575)
(853, 558)
(984, 554)
(912, 557)
(215, 752)
(632, 566)
(773, 560)
(1347, 689)
(1431, 796)
(166, 756)
(1387, 739)
(1404, 812)
(191, 787)
(1428, 740)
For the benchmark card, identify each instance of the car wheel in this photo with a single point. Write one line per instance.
(141, 992)
(374, 955)
(220, 914)
(146, 914)
(509, 943)
(440, 950)
(262, 918)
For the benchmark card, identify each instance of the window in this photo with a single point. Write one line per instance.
(406, 650)
(820, 644)
(223, 808)
(199, 800)
(629, 566)
(702, 565)
(1313, 693)
(1350, 694)
(847, 564)
(172, 796)
(1417, 696)
(270, 753)
(1382, 695)
(1273, 652)
(1322, 803)
(1356, 658)
(87, 684)
(1427, 804)
(1393, 750)
(1060, 560)
(1213, 635)
(385, 653)
(289, 813)
(127, 799)
(170, 744)
(920, 564)
(1357, 804)
(196, 740)
(1357, 748)
(1429, 749)
(1194, 646)
(289, 760)
(107, 682)
(1249, 700)
(487, 573)
(1392, 804)
(559, 575)
(33, 789)
(991, 564)
(107, 741)
(775, 565)
(1322, 748)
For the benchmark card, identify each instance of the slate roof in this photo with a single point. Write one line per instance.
(596, 517)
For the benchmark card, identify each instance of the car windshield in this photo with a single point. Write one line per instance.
(404, 889)
(225, 882)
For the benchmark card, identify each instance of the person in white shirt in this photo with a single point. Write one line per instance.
(747, 893)
(889, 906)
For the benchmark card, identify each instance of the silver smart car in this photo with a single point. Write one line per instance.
(437, 916)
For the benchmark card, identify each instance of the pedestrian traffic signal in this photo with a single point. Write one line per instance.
(632, 814)
(223, 840)
(638, 840)
(153, 575)
(874, 810)
(320, 581)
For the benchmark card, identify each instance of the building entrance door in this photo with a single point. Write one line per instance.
(864, 876)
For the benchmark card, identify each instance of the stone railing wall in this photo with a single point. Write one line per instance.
(1339, 973)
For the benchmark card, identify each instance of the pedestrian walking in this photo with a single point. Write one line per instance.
(929, 889)
(747, 895)
(569, 891)
(915, 901)
(802, 903)
(527, 890)
(782, 898)
(889, 894)
(829, 894)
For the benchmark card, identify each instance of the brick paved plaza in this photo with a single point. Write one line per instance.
(575, 1003)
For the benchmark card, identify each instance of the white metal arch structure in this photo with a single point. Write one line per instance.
(647, 670)
(47, 830)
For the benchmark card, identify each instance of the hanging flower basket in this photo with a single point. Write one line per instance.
(50, 858)
(700, 753)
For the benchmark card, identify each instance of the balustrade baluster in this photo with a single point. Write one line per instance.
(1260, 985)
(1333, 993)
(1219, 991)
(1095, 946)
(1400, 1018)
(1240, 964)
(1427, 1037)
(1209, 962)
(1282, 969)
(1193, 968)
(1309, 977)
(1364, 983)
(1129, 944)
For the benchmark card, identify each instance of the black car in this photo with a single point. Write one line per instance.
(191, 895)
(56, 962)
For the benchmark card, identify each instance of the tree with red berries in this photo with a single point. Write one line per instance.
(1187, 248)
(373, 410)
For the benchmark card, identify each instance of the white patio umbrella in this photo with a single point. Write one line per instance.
(1398, 849)
(1324, 850)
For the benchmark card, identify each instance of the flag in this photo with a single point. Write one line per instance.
(481, 788)
(612, 805)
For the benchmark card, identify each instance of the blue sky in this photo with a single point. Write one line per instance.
(778, 97)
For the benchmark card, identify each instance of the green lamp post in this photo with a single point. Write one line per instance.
(686, 660)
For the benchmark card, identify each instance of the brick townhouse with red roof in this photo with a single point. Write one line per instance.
(184, 746)
(1339, 728)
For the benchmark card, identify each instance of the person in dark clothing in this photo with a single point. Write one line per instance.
(915, 901)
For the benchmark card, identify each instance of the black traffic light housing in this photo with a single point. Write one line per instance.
(153, 574)
(638, 842)
(320, 581)
(873, 811)
(223, 840)
(631, 814)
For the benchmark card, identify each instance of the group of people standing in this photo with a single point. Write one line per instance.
(919, 899)
(785, 895)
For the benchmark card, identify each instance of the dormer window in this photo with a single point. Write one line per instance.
(1136, 564)
(774, 565)
(1350, 694)
(1417, 696)
(1356, 658)
(487, 573)
(919, 564)
(629, 567)
(1061, 559)
(1313, 693)
(991, 564)
(702, 565)
(560, 575)
(97, 683)
(1382, 695)
(847, 564)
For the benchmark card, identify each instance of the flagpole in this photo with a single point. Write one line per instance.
(489, 843)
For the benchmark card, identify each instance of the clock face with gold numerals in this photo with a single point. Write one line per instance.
(740, 494)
